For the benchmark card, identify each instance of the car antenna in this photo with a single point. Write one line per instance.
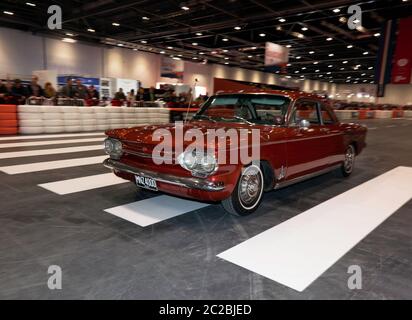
(191, 100)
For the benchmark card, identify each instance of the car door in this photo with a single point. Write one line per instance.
(333, 135)
(307, 150)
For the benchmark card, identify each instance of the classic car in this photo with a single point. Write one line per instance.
(300, 137)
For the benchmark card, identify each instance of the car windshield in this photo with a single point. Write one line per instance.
(248, 108)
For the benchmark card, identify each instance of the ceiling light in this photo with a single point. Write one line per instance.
(343, 19)
(330, 66)
(303, 68)
(226, 58)
(377, 34)
(120, 45)
(370, 68)
(341, 69)
(329, 72)
(69, 34)
(288, 46)
(279, 28)
(162, 52)
(135, 49)
(282, 20)
(345, 62)
(331, 55)
(250, 57)
(179, 55)
(225, 50)
(297, 71)
(316, 62)
(349, 46)
(226, 62)
(253, 48)
(194, 44)
(365, 53)
(30, 4)
(262, 35)
(8, 12)
(91, 30)
(304, 29)
(69, 40)
(185, 8)
(199, 34)
(194, 58)
(201, 53)
(337, 10)
(237, 28)
(116, 24)
(311, 52)
(176, 58)
(288, 65)
(363, 74)
(143, 41)
(317, 70)
(225, 39)
(329, 39)
(145, 18)
(170, 48)
(298, 58)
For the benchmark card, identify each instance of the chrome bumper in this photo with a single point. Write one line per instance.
(190, 183)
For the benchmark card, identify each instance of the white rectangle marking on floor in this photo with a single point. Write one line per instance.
(298, 251)
(150, 211)
(48, 136)
(83, 184)
(31, 153)
(51, 165)
(47, 143)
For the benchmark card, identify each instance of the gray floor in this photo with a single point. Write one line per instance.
(104, 257)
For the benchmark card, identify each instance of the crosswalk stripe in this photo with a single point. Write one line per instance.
(46, 143)
(51, 165)
(298, 251)
(82, 184)
(30, 153)
(47, 136)
(154, 210)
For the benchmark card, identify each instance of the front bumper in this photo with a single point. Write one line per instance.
(185, 182)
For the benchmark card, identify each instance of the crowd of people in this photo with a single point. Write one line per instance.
(15, 92)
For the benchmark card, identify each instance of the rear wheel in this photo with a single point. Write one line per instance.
(247, 195)
(349, 163)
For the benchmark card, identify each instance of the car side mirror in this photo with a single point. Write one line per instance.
(304, 124)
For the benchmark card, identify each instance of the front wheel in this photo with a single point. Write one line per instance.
(349, 163)
(247, 195)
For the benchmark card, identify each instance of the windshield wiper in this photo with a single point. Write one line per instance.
(202, 116)
(242, 119)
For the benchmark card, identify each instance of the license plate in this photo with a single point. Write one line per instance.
(146, 183)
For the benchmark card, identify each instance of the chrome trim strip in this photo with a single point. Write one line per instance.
(287, 183)
(191, 183)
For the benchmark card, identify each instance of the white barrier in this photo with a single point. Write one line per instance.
(57, 119)
(383, 114)
(408, 113)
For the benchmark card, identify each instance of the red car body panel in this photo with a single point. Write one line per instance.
(290, 151)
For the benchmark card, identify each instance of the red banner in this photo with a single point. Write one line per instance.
(402, 65)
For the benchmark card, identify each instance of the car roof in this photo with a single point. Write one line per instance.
(286, 93)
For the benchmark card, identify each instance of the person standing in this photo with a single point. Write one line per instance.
(68, 91)
(19, 91)
(80, 90)
(49, 91)
(34, 89)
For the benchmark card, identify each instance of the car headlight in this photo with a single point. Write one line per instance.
(200, 165)
(113, 148)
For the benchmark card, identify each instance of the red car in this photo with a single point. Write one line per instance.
(299, 138)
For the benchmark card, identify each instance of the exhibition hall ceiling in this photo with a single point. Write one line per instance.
(230, 32)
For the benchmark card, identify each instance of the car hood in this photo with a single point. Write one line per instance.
(145, 134)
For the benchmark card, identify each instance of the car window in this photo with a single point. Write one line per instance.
(326, 115)
(305, 110)
(256, 108)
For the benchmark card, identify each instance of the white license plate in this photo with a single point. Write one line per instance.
(146, 183)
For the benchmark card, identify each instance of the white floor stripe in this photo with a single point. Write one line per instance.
(30, 153)
(150, 211)
(47, 143)
(51, 165)
(83, 184)
(47, 136)
(298, 251)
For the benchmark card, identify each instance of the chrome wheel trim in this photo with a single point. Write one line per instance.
(349, 162)
(250, 187)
